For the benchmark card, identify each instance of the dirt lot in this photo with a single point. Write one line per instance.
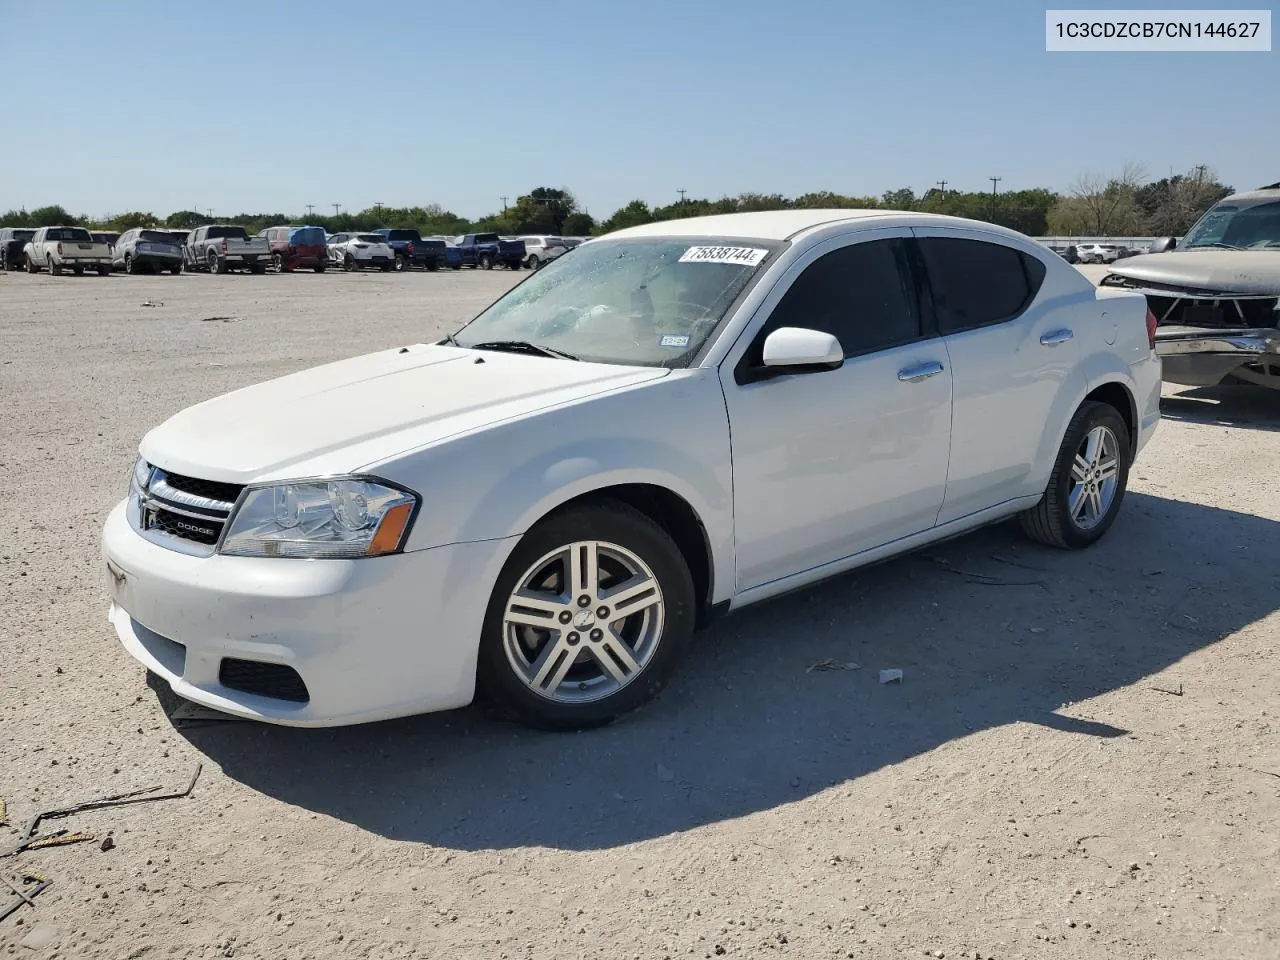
(1083, 760)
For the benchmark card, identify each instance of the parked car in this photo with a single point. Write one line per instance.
(294, 248)
(677, 421)
(221, 247)
(541, 250)
(13, 241)
(1216, 294)
(411, 249)
(66, 248)
(452, 255)
(483, 250)
(1098, 252)
(180, 237)
(356, 251)
(144, 249)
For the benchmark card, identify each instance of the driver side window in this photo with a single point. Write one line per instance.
(861, 294)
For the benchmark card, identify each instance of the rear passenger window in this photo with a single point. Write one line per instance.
(976, 283)
(858, 293)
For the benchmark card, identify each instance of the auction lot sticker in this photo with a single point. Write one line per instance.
(743, 256)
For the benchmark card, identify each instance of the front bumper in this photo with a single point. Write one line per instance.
(371, 639)
(1199, 357)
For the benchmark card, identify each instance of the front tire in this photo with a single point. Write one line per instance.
(348, 263)
(176, 269)
(1088, 481)
(588, 618)
(486, 262)
(277, 261)
(402, 263)
(32, 266)
(433, 266)
(130, 265)
(319, 268)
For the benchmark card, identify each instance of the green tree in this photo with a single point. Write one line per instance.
(186, 220)
(633, 214)
(54, 216)
(903, 198)
(1172, 204)
(578, 224)
(127, 221)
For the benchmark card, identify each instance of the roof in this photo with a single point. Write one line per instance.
(763, 225)
(1267, 193)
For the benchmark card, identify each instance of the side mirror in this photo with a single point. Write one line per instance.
(801, 347)
(1163, 245)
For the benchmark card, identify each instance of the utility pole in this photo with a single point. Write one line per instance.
(943, 185)
(335, 208)
(310, 208)
(377, 204)
(994, 181)
(504, 203)
(208, 212)
(682, 192)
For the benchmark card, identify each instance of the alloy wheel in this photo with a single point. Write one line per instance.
(583, 621)
(1095, 475)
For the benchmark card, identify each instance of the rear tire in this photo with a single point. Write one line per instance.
(278, 262)
(402, 263)
(533, 262)
(1080, 503)
(319, 268)
(433, 267)
(386, 267)
(348, 263)
(54, 269)
(176, 269)
(650, 641)
(78, 271)
(257, 269)
(485, 262)
(104, 271)
(32, 267)
(216, 263)
(130, 265)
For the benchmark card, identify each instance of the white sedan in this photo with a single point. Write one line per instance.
(356, 251)
(677, 421)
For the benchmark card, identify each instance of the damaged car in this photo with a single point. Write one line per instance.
(1216, 293)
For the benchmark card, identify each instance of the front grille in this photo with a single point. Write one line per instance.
(187, 508)
(273, 680)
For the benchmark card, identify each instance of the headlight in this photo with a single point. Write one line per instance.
(320, 519)
(141, 477)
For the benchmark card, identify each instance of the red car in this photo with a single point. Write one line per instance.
(295, 248)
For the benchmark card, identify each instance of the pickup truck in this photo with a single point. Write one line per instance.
(414, 250)
(221, 247)
(483, 250)
(67, 248)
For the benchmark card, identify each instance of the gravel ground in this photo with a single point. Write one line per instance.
(1082, 761)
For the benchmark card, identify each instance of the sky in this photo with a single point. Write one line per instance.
(162, 106)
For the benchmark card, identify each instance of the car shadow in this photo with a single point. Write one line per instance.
(1256, 408)
(988, 630)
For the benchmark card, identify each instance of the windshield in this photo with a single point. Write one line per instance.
(1228, 224)
(644, 302)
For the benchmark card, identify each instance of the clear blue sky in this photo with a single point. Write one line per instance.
(269, 106)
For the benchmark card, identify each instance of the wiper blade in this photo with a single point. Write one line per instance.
(523, 346)
(1216, 243)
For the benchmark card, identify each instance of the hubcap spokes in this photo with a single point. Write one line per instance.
(583, 621)
(1095, 475)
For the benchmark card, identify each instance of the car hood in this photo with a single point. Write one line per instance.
(343, 416)
(1222, 271)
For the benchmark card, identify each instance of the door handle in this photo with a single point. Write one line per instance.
(921, 371)
(1055, 337)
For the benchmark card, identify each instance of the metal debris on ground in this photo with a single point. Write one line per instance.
(1175, 693)
(829, 664)
(152, 303)
(24, 898)
(4, 812)
(145, 795)
(58, 839)
(222, 319)
(892, 675)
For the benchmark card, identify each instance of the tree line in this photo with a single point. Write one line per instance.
(1124, 204)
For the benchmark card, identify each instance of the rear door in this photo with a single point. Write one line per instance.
(1011, 354)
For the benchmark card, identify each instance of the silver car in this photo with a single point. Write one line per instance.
(146, 250)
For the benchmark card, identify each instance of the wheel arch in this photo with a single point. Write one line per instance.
(1117, 394)
(674, 514)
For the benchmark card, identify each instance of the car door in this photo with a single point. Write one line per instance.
(1011, 351)
(829, 464)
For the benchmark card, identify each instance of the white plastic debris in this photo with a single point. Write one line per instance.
(892, 675)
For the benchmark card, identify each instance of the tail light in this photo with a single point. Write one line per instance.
(409, 246)
(1151, 329)
(59, 249)
(223, 245)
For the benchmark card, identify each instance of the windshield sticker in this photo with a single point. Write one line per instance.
(671, 340)
(743, 256)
